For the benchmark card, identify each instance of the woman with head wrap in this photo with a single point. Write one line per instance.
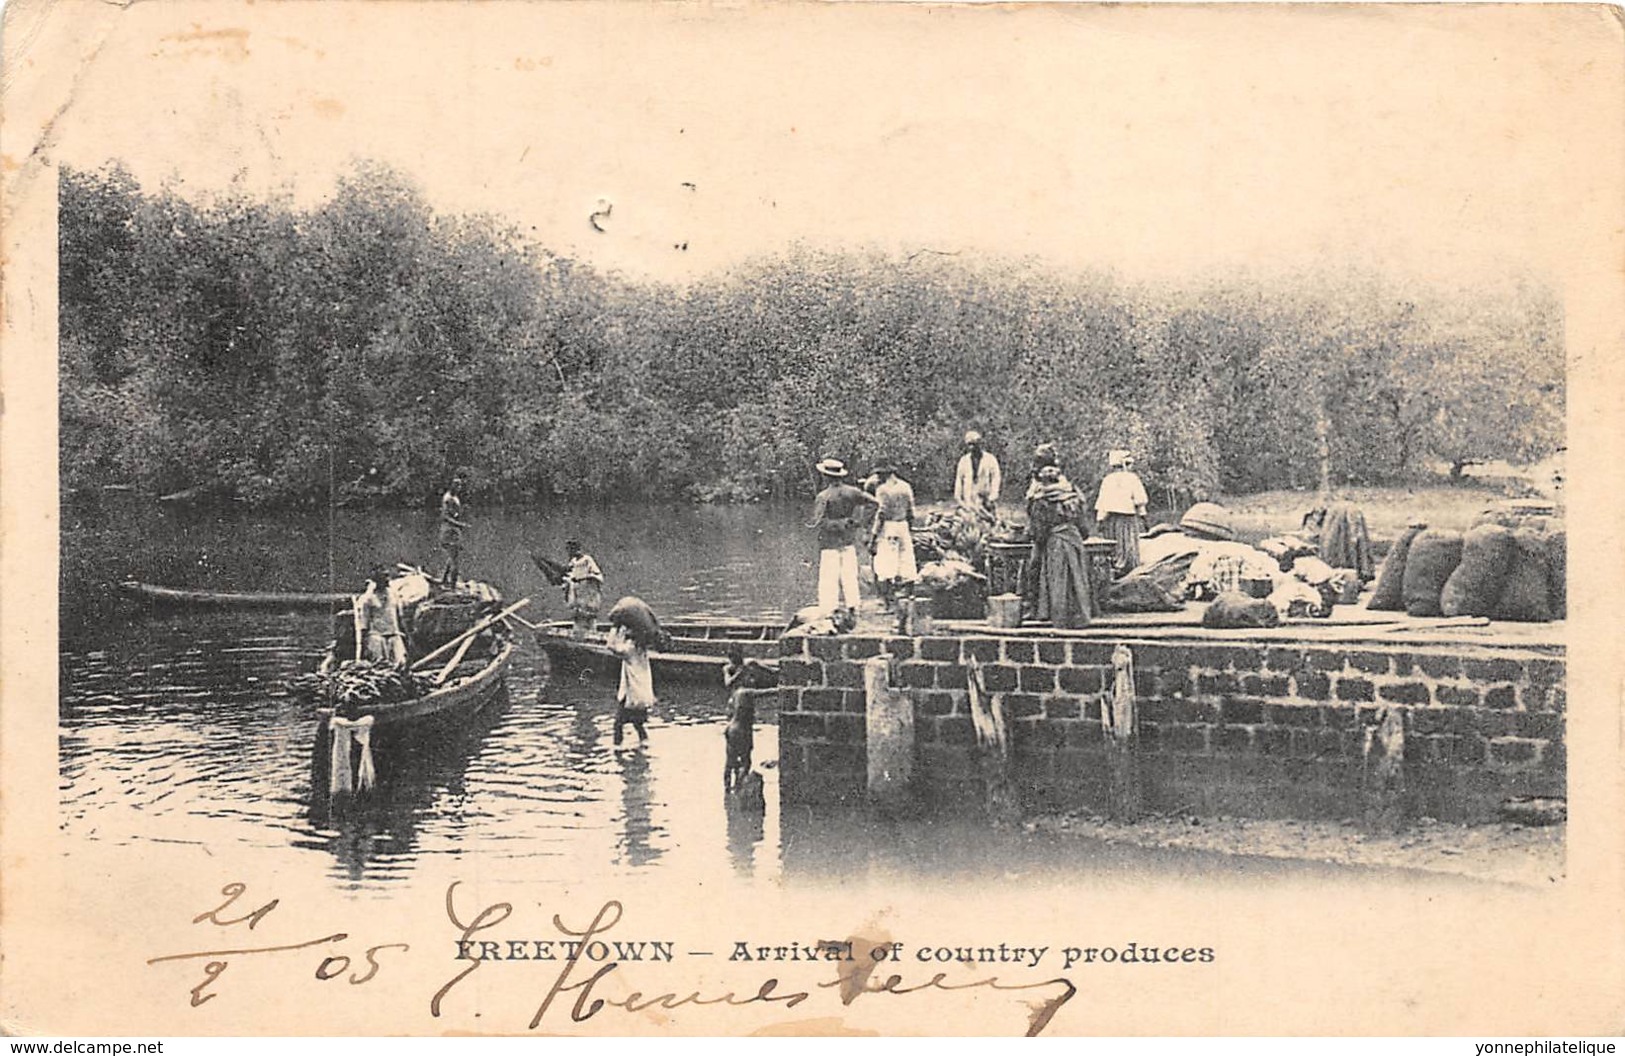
(1043, 455)
(1053, 510)
(1119, 509)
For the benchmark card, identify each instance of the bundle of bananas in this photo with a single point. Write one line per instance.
(355, 685)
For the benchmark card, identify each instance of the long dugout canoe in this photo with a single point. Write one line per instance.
(173, 597)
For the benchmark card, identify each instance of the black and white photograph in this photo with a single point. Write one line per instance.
(1066, 507)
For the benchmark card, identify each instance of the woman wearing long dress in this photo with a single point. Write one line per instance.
(1120, 510)
(1053, 510)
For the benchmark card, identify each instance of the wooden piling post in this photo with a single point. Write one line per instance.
(1382, 771)
(992, 750)
(1120, 723)
(889, 718)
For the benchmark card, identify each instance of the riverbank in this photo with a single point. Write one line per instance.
(1498, 852)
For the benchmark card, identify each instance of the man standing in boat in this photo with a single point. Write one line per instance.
(583, 589)
(834, 518)
(378, 634)
(451, 528)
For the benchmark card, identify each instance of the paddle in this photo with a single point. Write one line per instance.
(471, 632)
(456, 658)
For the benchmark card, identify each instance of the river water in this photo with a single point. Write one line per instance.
(179, 728)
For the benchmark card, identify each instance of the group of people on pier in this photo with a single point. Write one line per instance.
(1058, 578)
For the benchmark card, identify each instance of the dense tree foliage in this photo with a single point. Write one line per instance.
(359, 350)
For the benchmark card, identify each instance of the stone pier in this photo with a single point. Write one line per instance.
(1251, 727)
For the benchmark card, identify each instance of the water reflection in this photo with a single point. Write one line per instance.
(747, 825)
(419, 767)
(636, 822)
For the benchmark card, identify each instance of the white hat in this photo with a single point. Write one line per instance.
(1117, 457)
(832, 467)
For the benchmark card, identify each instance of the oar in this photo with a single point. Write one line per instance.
(471, 632)
(456, 659)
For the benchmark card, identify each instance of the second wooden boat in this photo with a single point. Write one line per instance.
(697, 654)
(176, 597)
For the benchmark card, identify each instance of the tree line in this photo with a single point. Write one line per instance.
(361, 349)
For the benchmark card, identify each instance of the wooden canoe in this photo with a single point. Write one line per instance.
(172, 597)
(698, 652)
(464, 695)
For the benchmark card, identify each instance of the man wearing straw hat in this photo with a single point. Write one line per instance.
(1119, 508)
(834, 518)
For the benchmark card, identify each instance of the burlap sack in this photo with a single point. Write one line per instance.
(1557, 568)
(1389, 593)
(1433, 556)
(1524, 595)
(1231, 609)
(1474, 588)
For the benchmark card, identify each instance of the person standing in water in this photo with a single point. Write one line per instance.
(633, 631)
(636, 694)
(452, 526)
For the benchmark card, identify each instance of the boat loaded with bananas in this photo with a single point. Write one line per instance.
(697, 651)
(458, 649)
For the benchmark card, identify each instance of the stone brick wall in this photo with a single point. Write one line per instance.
(1260, 729)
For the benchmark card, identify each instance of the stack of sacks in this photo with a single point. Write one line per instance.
(1504, 571)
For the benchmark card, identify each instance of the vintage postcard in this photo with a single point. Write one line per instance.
(609, 518)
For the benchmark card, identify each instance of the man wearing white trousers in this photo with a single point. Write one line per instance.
(835, 518)
(892, 541)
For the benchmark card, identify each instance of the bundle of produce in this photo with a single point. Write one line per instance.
(1007, 531)
(356, 685)
(1169, 572)
(1389, 593)
(1135, 593)
(1525, 594)
(957, 591)
(1282, 547)
(640, 622)
(1232, 610)
(1293, 597)
(958, 531)
(1474, 588)
(438, 619)
(1433, 556)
